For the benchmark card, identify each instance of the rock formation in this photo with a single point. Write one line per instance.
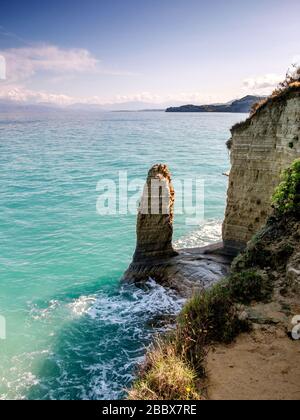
(239, 105)
(155, 216)
(184, 270)
(261, 148)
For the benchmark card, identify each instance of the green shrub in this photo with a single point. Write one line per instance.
(207, 318)
(287, 196)
(213, 316)
(175, 365)
(249, 286)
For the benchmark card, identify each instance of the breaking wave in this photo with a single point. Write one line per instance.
(209, 232)
(103, 339)
(97, 352)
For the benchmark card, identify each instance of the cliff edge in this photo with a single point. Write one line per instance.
(260, 149)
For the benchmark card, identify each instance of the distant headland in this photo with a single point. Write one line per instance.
(240, 105)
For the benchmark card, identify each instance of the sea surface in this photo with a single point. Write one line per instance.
(71, 331)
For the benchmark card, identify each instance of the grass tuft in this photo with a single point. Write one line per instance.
(210, 317)
(174, 366)
(166, 377)
(290, 84)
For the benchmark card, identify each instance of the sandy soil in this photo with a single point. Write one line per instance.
(263, 365)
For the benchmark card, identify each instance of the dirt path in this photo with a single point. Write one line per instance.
(262, 365)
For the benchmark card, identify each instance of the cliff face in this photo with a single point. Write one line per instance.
(261, 148)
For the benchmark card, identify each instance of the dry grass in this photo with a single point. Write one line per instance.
(290, 85)
(255, 107)
(209, 317)
(175, 367)
(165, 377)
(291, 81)
(277, 94)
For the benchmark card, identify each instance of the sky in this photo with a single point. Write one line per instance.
(155, 51)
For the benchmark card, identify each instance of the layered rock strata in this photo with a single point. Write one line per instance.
(261, 148)
(155, 217)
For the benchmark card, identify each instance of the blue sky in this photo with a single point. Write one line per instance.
(158, 51)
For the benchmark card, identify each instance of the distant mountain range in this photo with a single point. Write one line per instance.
(239, 105)
(12, 106)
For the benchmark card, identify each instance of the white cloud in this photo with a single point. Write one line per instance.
(180, 97)
(2, 68)
(23, 63)
(267, 81)
(52, 65)
(49, 60)
(20, 93)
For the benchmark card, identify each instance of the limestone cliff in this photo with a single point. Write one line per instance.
(261, 148)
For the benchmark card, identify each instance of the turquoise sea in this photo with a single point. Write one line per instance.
(71, 331)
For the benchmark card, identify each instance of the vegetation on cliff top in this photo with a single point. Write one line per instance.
(278, 243)
(175, 367)
(288, 86)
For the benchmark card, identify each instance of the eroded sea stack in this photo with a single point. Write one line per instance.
(155, 217)
(261, 148)
(155, 258)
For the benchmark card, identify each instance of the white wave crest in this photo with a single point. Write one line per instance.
(208, 233)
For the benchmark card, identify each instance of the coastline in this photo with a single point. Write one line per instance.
(252, 306)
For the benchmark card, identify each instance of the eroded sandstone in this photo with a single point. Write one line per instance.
(261, 148)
